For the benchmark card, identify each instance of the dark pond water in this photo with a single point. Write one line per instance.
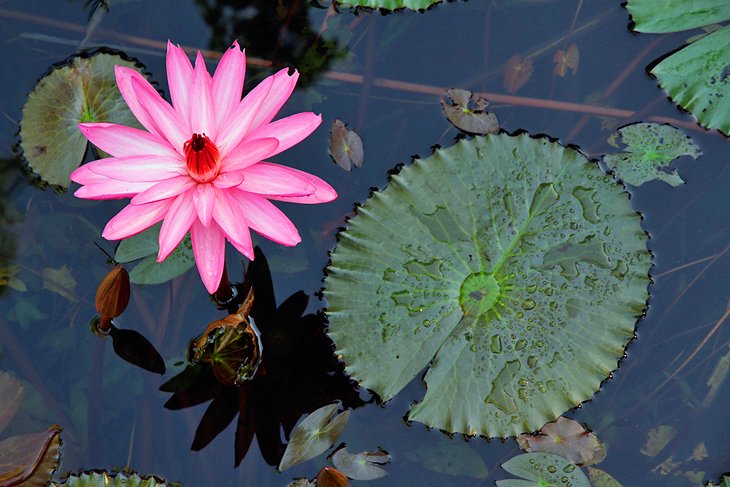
(112, 413)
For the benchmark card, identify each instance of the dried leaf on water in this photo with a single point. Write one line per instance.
(565, 60)
(468, 112)
(567, 438)
(346, 146)
(361, 466)
(30, 460)
(517, 72)
(314, 435)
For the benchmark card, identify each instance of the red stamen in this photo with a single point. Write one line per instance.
(203, 158)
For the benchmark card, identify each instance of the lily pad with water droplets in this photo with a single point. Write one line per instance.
(661, 16)
(650, 147)
(389, 4)
(543, 470)
(511, 266)
(81, 89)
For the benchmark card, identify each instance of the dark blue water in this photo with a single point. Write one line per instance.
(113, 414)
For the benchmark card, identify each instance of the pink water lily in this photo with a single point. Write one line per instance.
(200, 165)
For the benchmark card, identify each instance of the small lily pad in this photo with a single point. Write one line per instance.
(649, 149)
(346, 146)
(389, 4)
(81, 89)
(314, 435)
(468, 112)
(98, 478)
(543, 470)
(565, 60)
(567, 438)
(361, 466)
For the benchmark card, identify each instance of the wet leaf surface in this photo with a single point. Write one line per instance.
(361, 466)
(346, 146)
(314, 435)
(565, 60)
(658, 16)
(543, 469)
(567, 438)
(468, 112)
(30, 459)
(649, 149)
(517, 72)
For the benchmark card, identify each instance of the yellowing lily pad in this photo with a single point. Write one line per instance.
(81, 89)
(649, 149)
(511, 267)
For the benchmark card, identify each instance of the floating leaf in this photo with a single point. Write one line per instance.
(468, 112)
(30, 460)
(565, 60)
(60, 281)
(543, 470)
(11, 395)
(567, 438)
(140, 245)
(149, 271)
(331, 477)
(361, 466)
(81, 89)
(657, 439)
(97, 478)
(599, 478)
(698, 79)
(345, 146)
(510, 265)
(517, 72)
(650, 147)
(301, 482)
(449, 457)
(314, 435)
(389, 4)
(660, 16)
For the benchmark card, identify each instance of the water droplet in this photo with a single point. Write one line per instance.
(528, 304)
(426, 323)
(520, 344)
(495, 344)
(569, 468)
(531, 288)
(552, 468)
(532, 361)
(553, 305)
(520, 314)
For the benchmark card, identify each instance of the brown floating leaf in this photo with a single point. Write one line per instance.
(566, 59)
(516, 73)
(363, 465)
(331, 477)
(467, 112)
(30, 460)
(11, 395)
(346, 146)
(567, 438)
(112, 295)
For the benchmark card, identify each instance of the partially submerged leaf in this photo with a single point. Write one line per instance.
(657, 438)
(468, 112)
(363, 465)
(660, 16)
(510, 266)
(599, 478)
(543, 470)
(389, 4)
(565, 60)
(30, 460)
(650, 148)
(60, 281)
(715, 381)
(567, 438)
(99, 478)
(517, 72)
(11, 395)
(314, 435)
(346, 146)
(82, 89)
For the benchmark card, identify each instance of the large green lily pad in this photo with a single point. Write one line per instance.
(81, 89)
(512, 267)
(660, 16)
(389, 4)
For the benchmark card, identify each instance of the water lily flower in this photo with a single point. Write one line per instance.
(200, 165)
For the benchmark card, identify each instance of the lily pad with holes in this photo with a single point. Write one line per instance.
(543, 470)
(81, 89)
(389, 4)
(511, 267)
(650, 147)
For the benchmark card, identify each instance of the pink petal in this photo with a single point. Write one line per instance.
(125, 76)
(234, 128)
(119, 140)
(274, 179)
(202, 114)
(209, 247)
(135, 218)
(249, 153)
(280, 92)
(227, 212)
(288, 131)
(228, 82)
(169, 124)
(179, 79)
(323, 192)
(178, 220)
(267, 219)
(228, 180)
(165, 189)
(84, 175)
(110, 189)
(204, 199)
(138, 168)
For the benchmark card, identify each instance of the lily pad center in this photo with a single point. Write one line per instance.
(479, 293)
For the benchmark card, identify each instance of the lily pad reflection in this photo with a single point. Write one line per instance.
(511, 266)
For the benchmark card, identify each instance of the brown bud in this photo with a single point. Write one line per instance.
(112, 296)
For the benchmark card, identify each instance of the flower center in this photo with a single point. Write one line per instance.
(203, 158)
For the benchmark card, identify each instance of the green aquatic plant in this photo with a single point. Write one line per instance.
(511, 266)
